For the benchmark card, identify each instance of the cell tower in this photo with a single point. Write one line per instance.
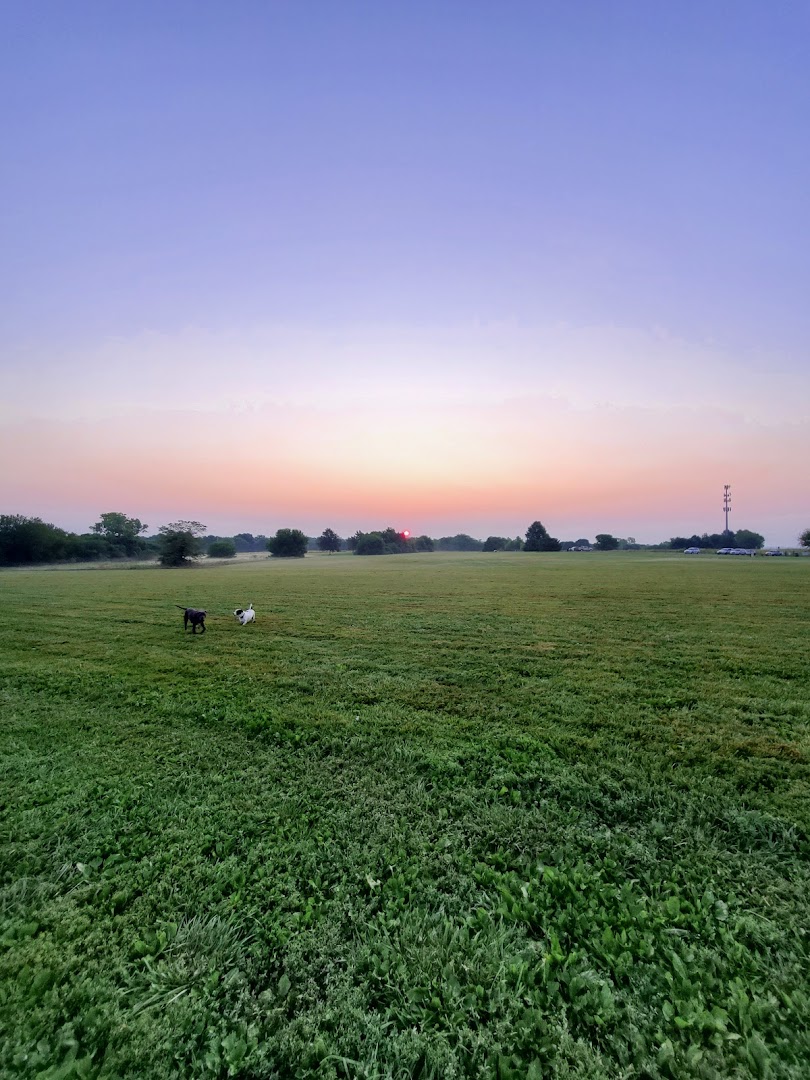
(726, 502)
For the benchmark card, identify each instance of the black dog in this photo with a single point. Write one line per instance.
(193, 616)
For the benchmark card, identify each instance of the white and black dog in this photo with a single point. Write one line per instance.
(245, 615)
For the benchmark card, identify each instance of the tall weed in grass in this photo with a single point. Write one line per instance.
(451, 816)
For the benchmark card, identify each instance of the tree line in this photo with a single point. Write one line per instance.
(29, 540)
(742, 538)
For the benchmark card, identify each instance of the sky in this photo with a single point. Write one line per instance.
(444, 267)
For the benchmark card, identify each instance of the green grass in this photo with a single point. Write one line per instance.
(431, 816)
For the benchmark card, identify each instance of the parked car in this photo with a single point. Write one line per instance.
(691, 551)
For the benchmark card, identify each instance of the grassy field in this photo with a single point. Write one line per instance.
(431, 816)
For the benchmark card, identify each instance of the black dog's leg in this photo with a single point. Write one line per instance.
(185, 621)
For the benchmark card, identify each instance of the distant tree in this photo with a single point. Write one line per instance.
(393, 542)
(745, 538)
(245, 542)
(87, 548)
(180, 543)
(369, 544)
(717, 540)
(606, 542)
(121, 533)
(538, 539)
(222, 549)
(31, 540)
(514, 545)
(288, 544)
(329, 541)
(582, 542)
(495, 543)
(536, 536)
(459, 542)
(804, 539)
(396, 543)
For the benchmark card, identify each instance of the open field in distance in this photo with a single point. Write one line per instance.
(478, 815)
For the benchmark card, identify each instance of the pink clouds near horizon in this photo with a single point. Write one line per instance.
(438, 449)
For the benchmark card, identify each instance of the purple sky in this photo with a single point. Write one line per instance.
(468, 265)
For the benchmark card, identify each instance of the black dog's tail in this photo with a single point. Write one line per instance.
(182, 608)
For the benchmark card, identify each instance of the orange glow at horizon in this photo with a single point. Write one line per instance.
(458, 429)
(510, 463)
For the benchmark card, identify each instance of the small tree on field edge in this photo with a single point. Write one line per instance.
(460, 542)
(537, 538)
(606, 542)
(222, 549)
(288, 544)
(180, 542)
(369, 544)
(804, 539)
(329, 541)
(747, 538)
